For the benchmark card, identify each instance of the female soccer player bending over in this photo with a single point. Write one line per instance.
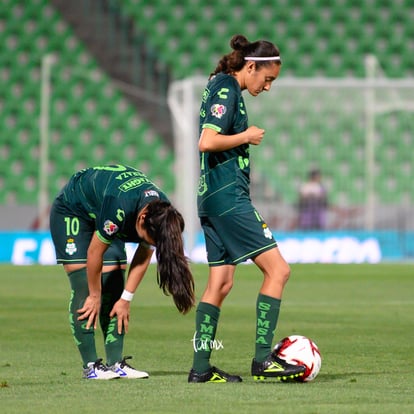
(98, 210)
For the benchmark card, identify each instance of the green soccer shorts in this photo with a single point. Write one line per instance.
(233, 239)
(72, 235)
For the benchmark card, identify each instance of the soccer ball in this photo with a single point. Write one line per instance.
(300, 350)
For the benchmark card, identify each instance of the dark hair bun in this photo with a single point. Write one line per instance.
(239, 42)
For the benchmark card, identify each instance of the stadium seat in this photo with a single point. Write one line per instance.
(321, 38)
(293, 24)
(86, 111)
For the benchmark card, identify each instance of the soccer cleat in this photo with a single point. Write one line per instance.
(124, 370)
(99, 371)
(276, 368)
(213, 375)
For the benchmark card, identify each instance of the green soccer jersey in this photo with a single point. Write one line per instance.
(224, 176)
(112, 196)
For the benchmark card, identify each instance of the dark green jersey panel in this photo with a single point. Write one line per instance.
(224, 176)
(112, 196)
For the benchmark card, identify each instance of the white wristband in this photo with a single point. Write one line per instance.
(127, 295)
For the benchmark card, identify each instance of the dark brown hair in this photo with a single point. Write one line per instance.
(165, 226)
(234, 61)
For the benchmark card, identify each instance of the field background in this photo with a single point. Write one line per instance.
(361, 317)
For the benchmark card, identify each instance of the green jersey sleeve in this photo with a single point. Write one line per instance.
(220, 106)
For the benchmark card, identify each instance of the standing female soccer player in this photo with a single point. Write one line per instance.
(234, 231)
(97, 211)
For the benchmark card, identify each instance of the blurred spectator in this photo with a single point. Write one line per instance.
(313, 203)
(313, 206)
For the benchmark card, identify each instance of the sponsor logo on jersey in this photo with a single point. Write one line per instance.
(151, 193)
(110, 227)
(218, 110)
(206, 94)
(133, 183)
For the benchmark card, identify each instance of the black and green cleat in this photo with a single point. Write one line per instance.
(213, 375)
(275, 368)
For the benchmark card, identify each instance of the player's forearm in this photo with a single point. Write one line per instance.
(94, 272)
(137, 268)
(94, 265)
(134, 279)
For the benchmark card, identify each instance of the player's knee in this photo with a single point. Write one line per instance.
(71, 268)
(113, 268)
(283, 273)
(286, 273)
(225, 288)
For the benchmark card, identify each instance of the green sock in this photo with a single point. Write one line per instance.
(84, 338)
(207, 317)
(267, 312)
(112, 286)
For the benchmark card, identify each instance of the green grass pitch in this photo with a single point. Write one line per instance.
(360, 316)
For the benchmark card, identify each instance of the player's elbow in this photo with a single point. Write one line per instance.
(207, 141)
(203, 146)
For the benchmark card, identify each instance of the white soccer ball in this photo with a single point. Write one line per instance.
(300, 350)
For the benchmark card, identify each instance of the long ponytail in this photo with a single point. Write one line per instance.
(165, 226)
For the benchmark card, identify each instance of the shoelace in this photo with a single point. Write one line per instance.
(99, 365)
(123, 363)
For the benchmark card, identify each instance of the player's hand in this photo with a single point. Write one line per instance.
(121, 309)
(90, 311)
(255, 135)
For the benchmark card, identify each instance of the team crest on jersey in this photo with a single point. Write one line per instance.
(71, 248)
(110, 227)
(218, 110)
(266, 231)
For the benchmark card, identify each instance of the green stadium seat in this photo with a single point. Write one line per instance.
(85, 112)
(316, 39)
